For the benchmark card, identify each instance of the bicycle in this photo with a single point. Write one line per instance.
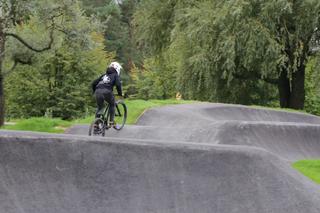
(100, 125)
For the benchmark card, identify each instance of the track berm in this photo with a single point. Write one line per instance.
(195, 158)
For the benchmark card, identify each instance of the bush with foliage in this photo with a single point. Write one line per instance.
(225, 47)
(312, 104)
(58, 82)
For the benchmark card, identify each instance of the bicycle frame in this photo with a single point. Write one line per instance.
(116, 111)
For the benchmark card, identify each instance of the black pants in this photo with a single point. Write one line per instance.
(105, 95)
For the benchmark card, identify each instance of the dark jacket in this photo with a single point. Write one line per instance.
(108, 81)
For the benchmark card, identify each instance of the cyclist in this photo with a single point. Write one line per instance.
(103, 89)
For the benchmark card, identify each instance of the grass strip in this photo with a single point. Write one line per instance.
(310, 168)
(41, 124)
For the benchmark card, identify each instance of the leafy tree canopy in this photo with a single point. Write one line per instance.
(55, 82)
(218, 43)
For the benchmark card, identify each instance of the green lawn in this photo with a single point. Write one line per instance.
(310, 168)
(135, 109)
(40, 125)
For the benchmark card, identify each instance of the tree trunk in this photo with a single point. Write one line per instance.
(2, 104)
(292, 97)
(298, 91)
(284, 89)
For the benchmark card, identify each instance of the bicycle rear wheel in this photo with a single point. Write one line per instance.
(97, 128)
(120, 115)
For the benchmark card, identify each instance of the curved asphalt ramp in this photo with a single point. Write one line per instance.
(197, 158)
(292, 136)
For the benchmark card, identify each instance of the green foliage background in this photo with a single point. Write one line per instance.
(229, 51)
(313, 86)
(206, 50)
(57, 83)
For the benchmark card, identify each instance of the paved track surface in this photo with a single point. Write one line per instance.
(292, 136)
(199, 158)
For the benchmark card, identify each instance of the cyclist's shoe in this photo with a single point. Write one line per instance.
(115, 125)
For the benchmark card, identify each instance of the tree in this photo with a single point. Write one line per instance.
(131, 55)
(312, 104)
(219, 42)
(116, 17)
(15, 13)
(58, 82)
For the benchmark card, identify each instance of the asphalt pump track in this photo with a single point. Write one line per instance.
(194, 158)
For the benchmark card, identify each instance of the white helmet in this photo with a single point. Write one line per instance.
(117, 66)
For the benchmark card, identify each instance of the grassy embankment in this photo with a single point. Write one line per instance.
(310, 168)
(42, 124)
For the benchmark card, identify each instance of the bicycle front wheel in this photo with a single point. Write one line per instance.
(120, 116)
